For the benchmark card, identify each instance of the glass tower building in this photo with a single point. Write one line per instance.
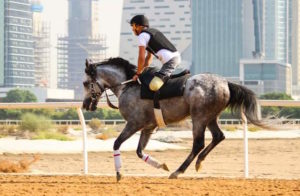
(1, 43)
(219, 28)
(217, 36)
(276, 30)
(83, 41)
(18, 44)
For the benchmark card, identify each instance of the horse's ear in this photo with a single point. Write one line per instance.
(86, 63)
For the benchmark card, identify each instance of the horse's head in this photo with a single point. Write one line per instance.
(108, 74)
(93, 88)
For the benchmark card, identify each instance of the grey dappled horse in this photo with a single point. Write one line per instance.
(205, 97)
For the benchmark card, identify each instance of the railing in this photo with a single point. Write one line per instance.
(121, 121)
(67, 122)
(77, 105)
(56, 105)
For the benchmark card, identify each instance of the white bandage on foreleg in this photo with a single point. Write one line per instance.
(151, 161)
(118, 162)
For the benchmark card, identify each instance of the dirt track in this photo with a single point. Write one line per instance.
(277, 159)
(95, 185)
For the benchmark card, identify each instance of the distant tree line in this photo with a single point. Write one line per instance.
(21, 96)
(18, 95)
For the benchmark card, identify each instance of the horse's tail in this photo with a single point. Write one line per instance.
(244, 99)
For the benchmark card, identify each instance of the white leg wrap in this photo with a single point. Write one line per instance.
(151, 161)
(117, 158)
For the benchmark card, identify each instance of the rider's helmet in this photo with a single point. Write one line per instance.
(140, 20)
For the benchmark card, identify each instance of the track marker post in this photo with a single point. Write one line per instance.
(84, 141)
(246, 160)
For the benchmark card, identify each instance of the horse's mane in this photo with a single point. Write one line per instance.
(130, 69)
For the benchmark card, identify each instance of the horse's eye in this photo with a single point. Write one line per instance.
(86, 83)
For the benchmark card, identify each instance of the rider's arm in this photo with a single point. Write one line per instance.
(141, 59)
(148, 60)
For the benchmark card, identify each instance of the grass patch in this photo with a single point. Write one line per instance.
(77, 128)
(95, 124)
(253, 128)
(108, 133)
(45, 135)
(34, 123)
(63, 129)
(230, 127)
(2, 136)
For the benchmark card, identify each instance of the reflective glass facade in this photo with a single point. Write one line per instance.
(276, 19)
(18, 44)
(1, 43)
(217, 36)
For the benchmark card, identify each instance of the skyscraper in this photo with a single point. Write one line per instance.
(295, 42)
(268, 70)
(217, 36)
(18, 44)
(1, 43)
(83, 41)
(172, 17)
(276, 29)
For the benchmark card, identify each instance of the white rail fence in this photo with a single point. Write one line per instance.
(121, 121)
(77, 105)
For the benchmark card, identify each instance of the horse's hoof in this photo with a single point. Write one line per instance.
(198, 166)
(174, 175)
(119, 176)
(164, 167)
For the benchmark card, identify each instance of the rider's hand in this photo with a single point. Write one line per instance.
(135, 77)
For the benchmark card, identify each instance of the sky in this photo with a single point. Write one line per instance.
(110, 13)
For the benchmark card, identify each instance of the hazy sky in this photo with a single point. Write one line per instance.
(110, 13)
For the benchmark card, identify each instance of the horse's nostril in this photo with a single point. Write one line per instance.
(85, 84)
(86, 103)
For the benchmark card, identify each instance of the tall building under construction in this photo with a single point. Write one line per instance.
(83, 41)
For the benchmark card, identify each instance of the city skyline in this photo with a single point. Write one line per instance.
(262, 34)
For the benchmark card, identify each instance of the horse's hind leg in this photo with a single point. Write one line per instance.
(198, 145)
(217, 135)
(144, 138)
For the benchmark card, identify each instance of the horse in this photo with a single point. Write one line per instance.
(204, 98)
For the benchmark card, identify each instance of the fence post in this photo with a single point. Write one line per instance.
(85, 155)
(246, 161)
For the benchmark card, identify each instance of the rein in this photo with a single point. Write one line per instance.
(95, 95)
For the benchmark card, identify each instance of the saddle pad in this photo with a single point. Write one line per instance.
(173, 88)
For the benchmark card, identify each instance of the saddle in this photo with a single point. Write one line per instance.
(174, 87)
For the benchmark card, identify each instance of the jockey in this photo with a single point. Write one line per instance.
(156, 44)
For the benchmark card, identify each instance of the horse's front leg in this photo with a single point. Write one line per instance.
(144, 138)
(127, 132)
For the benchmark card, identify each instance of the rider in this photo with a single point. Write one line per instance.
(156, 44)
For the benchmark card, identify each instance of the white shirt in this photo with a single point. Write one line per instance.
(164, 55)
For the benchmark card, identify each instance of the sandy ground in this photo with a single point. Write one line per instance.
(273, 166)
(101, 185)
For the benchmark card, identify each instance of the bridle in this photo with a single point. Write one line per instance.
(91, 70)
(95, 96)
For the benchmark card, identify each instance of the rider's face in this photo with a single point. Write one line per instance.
(136, 29)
